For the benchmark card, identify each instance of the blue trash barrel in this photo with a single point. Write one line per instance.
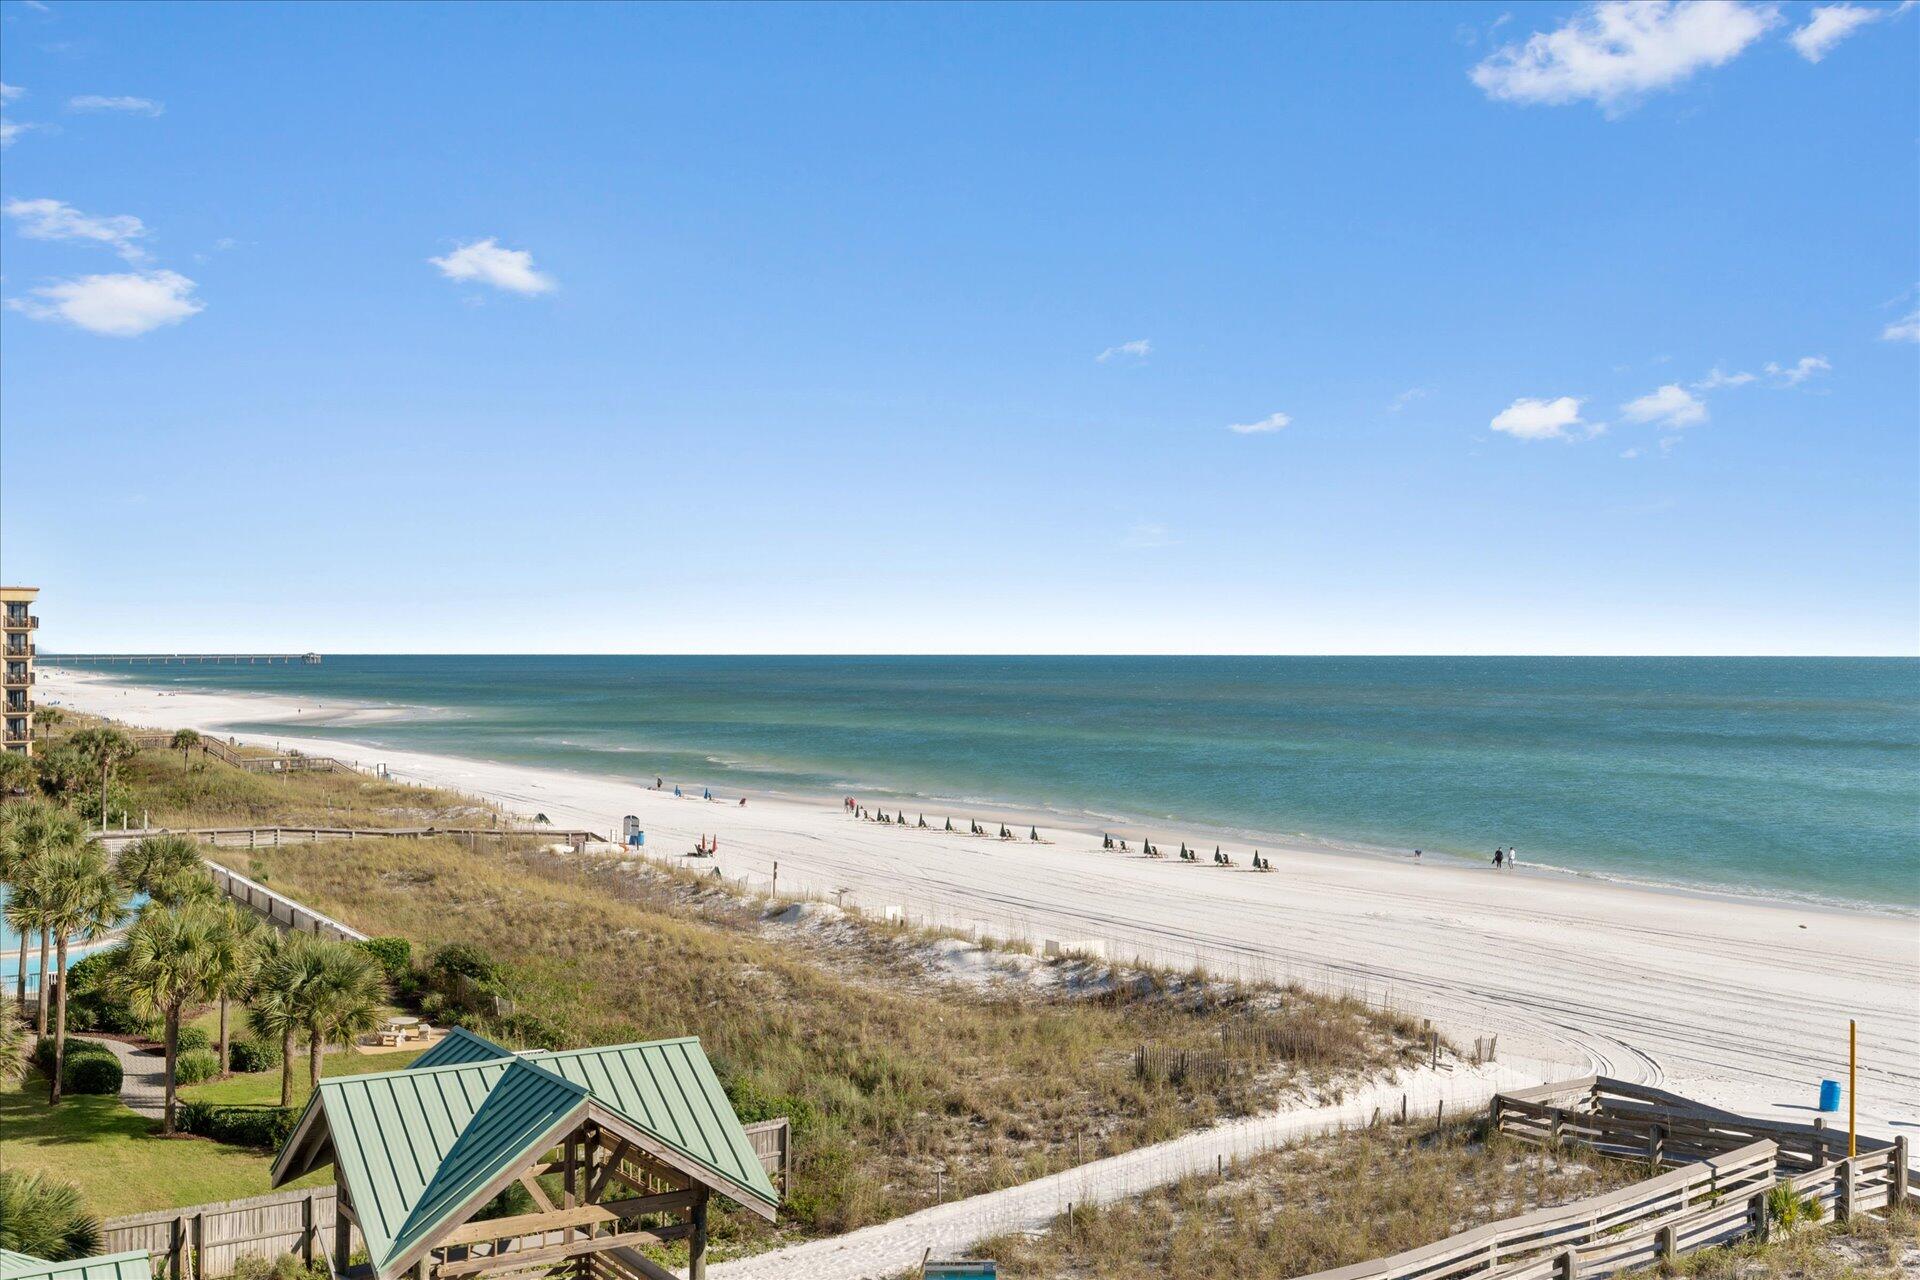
(1829, 1095)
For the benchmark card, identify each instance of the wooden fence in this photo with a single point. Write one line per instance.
(1637, 1121)
(274, 837)
(1721, 1169)
(291, 762)
(279, 908)
(207, 1241)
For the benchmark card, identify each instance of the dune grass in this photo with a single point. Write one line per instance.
(1328, 1203)
(1867, 1248)
(887, 1083)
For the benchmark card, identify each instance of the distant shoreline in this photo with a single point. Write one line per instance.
(227, 708)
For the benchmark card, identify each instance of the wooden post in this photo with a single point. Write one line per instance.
(697, 1239)
(1759, 1221)
(1493, 1112)
(342, 1233)
(1843, 1207)
(1566, 1266)
(1656, 1145)
(1899, 1171)
(309, 1230)
(199, 1246)
(177, 1247)
(1666, 1245)
(1853, 1065)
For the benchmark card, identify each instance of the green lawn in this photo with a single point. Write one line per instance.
(264, 1086)
(114, 1157)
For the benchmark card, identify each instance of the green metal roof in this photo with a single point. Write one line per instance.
(459, 1045)
(417, 1148)
(111, 1266)
(669, 1089)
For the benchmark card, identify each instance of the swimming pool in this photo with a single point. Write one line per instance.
(76, 947)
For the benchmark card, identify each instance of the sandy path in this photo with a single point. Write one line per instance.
(1738, 1002)
(951, 1229)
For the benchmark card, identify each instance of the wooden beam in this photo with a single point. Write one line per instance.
(534, 1190)
(610, 1169)
(522, 1259)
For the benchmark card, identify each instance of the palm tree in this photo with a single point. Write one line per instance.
(44, 1218)
(166, 972)
(105, 749)
(342, 1003)
(161, 867)
(31, 831)
(233, 959)
(16, 773)
(289, 965)
(46, 718)
(184, 741)
(82, 899)
(13, 1048)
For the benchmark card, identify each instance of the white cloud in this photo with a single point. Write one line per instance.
(1672, 406)
(485, 262)
(134, 106)
(1528, 419)
(1716, 379)
(1905, 329)
(119, 306)
(9, 130)
(57, 220)
(1407, 397)
(1615, 53)
(1138, 349)
(1630, 453)
(1832, 23)
(1272, 422)
(1795, 374)
(11, 92)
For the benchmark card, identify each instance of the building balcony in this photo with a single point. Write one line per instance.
(17, 735)
(17, 679)
(21, 621)
(19, 651)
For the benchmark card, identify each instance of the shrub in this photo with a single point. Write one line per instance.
(529, 1031)
(96, 1072)
(395, 955)
(196, 1065)
(266, 1128)
(284, 1267)
(191, 1039)
(94, 1000)
(44, 1219)
(253, 1055)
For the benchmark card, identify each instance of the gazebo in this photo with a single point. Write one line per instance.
(640, 1135)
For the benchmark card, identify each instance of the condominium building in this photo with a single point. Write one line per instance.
(18, 623)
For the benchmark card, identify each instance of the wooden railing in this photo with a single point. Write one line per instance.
(291, 762)
(274, 837)
(1721, 1168)
(1637, 1121)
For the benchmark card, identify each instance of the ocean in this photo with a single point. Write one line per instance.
(1796, 778)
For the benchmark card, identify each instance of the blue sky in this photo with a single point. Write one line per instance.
(782, 329)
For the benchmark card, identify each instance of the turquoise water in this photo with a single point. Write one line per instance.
(10, 950)
(1797, 777)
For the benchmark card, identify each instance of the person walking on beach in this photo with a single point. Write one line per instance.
(1513, 858)
(1499, 857)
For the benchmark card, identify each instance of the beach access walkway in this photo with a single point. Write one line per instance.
(891, 1248)
(143, 1077)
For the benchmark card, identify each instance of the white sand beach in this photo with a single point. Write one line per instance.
(1738, 1002)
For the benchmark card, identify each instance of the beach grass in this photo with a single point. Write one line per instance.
(898, 1092)
(1327, 1203)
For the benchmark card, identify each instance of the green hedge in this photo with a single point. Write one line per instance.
(266, 1128)
(91, 1067)
(395, 955)
(253, 1055)
(191, 1038)
(196, 1065)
